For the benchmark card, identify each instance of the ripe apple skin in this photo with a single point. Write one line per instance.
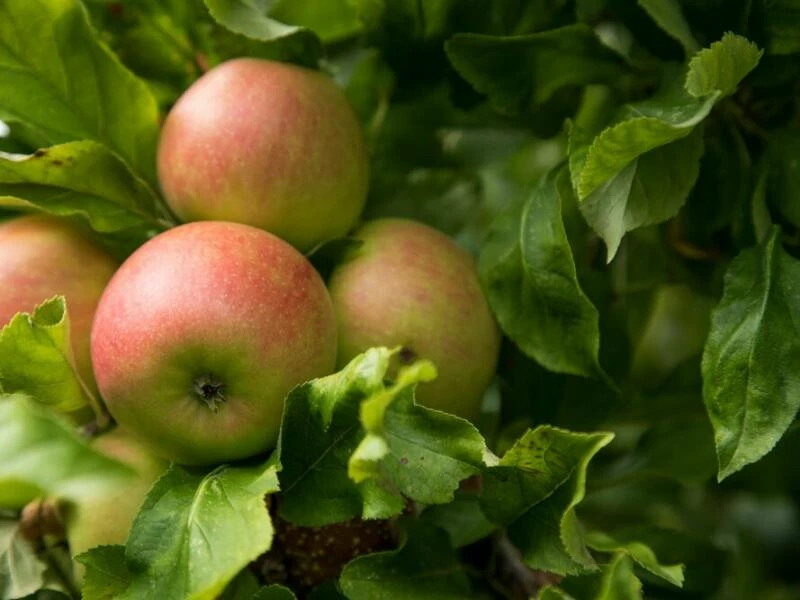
(106, 519)
(412, 286)
(42, 256)
(201, 334)
(265, 144)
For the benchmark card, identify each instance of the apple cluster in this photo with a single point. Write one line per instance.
(195, 340)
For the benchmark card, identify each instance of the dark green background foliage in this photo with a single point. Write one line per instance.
(627, 175)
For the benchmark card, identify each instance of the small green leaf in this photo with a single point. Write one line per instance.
(639, 552)
(618, 581)
(36, 358)
(40, 450)
(251, 18)
(755, 329)
(80, 178)
(529, 275)
(462, 518)
(332, 20)
(194, 533)
(65, 85)
(534, 491)
(425, 566)
(543, 63)
(720, 68)
(650, 189)
(274, 592)
(107, 574)
(21, 571)
(668, 15)
(354, 445)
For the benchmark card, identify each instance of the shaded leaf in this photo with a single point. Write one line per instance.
(668, 14)
(21, 571)
(543, 63)
(639, 552)
(528, 272)
(425, 566)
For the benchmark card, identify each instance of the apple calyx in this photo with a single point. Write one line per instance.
(209, 389)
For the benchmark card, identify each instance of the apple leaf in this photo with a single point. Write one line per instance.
(425, 566)
(755, 329)
(193, 534)
(528, 272)
(719, 68)
(42, 451)
(462, 519)
(107, 574)
(80, 178)
(405, 443)
(640, 169)
(352, 445)
(36, 358)
(21, 571)
(533, 492)
(544, 63)
(64, 85)
(252, 19)
(668, 14)
(642, 554)
(649, 189)
(274, 592)
(616, 581)
(332, 20)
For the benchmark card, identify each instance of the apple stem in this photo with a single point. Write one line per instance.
(209, 389)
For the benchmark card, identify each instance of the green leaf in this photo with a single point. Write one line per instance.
(274, 592)
(36, 358)
(528, 272)
(107, 573)
(650, 189)
(424, 567)
(354, 422)
(421, 453)
(668, 15)
(80, 178)
(639, 552)
(65, 85)
(639, 170)
(644, 126)
(462, 519)
(782, 25)
(251, 18)
(755, 329)
(618, 581)
(195, 532)
(42, 451)
(21, 571)
(534, 490)
(543, 63)
(720, 68)
(332, 20)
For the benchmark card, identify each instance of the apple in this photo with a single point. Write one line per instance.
(265, 144)
(201, 334)
(409, 285)
(106, 519)
(41, 257)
